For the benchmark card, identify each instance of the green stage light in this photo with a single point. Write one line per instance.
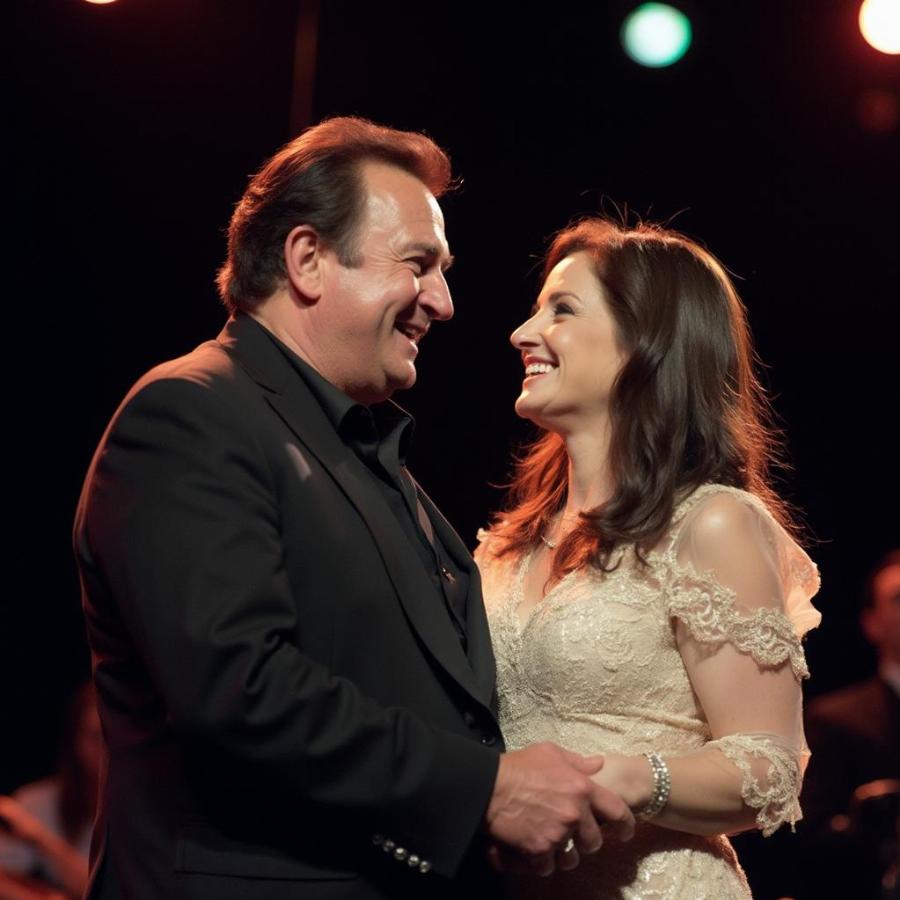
(656, 34)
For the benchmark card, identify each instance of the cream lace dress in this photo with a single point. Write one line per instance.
(697, 654)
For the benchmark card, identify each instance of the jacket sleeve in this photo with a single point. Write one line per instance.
(180, 522)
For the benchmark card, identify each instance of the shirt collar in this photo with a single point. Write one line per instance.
(351, 420)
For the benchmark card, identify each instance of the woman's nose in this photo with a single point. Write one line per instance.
(525, 335)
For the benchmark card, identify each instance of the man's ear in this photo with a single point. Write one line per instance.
(303, 250)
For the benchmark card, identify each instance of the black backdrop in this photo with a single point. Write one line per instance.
(135, 126)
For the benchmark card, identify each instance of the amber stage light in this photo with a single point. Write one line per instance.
(879, 21)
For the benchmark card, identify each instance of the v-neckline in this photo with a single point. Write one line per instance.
(657, 555)
(517, 597)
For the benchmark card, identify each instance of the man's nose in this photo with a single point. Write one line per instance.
(435, 297)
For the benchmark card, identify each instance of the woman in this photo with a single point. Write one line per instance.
(48, 822)
(645, 598)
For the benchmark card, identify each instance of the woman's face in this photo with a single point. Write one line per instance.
(570, 350)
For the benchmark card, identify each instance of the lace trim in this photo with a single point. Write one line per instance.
(803, 574)
(710, 612)
(776, 803)
(482, 535)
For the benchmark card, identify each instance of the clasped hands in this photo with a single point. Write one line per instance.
(546, 810)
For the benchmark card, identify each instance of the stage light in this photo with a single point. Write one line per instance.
(656, 34)
(100, 2)
(879, 22)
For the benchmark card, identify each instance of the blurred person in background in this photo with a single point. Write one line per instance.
(45, 827)
(851, 796)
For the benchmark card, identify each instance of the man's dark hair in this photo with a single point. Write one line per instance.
(316, 180)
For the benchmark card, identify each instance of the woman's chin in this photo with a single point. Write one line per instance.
(526, 408)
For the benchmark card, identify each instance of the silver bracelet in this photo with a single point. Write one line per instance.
(662, 784)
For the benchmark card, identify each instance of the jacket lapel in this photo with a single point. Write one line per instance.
(294, 403)
(478, 638)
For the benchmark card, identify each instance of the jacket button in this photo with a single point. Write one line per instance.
(488, 740)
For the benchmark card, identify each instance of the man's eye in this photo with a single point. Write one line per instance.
(417, 263)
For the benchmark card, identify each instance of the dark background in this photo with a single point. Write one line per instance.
(136, 125)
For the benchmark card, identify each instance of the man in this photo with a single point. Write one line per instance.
(854, 733)
(854, 736)
(290, 650)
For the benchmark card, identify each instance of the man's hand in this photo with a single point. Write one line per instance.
(544, 796)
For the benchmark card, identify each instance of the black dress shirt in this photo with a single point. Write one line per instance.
(380, 435)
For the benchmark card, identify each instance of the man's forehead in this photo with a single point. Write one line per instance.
(383, 181)
(399, 205)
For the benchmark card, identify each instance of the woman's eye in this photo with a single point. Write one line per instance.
(562, 309)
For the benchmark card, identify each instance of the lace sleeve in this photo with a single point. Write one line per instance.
(494, 571)
(738, 591)
(482, 553)
(774, 792)
(736, 576)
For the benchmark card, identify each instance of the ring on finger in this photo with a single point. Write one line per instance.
(569, 846)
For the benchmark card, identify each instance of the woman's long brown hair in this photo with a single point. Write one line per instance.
(685, 410)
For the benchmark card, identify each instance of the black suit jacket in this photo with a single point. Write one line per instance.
(854, 735)
(277, 682)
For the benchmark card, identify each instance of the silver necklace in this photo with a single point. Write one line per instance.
(554, 544)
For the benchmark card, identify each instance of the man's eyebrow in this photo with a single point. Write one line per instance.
(432, 251)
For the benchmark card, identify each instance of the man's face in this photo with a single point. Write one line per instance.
(372, 317)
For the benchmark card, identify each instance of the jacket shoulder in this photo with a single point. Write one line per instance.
(848, 705)
(209, 365)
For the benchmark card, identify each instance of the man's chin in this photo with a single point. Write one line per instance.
(402, 379)
(390, 382)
